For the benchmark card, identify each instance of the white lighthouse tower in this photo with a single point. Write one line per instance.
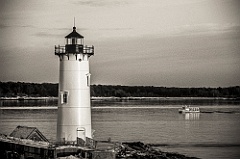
(74, 107)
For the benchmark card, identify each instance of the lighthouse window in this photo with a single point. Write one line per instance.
(88, 79)
(64, 97)
(74, 40)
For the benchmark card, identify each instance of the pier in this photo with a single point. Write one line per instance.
(16, 148)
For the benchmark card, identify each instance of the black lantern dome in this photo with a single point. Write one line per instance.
(74, 45)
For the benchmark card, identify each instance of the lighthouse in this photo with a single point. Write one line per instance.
(74, 106)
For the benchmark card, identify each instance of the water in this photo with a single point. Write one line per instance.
(212, 134)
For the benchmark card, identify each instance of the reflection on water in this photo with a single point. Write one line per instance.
(192, 116)
(30, 102)
(52, 101)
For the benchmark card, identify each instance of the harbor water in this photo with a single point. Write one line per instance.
(211, 134)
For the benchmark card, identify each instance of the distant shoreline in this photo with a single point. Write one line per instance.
(28, 98)
(124, 98)
(162, 98)
(38, 91)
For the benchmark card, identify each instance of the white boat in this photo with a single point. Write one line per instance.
(188, 109)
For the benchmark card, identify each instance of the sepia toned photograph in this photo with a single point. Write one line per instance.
(120, 79)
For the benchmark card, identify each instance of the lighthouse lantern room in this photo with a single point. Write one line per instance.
(74, 106)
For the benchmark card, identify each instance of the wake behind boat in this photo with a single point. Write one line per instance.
(188, 109)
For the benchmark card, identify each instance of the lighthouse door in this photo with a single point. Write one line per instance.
(81, 133)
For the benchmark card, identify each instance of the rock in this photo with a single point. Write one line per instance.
(139, 150)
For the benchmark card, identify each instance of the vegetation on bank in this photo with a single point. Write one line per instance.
(14, 89)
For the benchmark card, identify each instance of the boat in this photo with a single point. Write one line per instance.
(21, 97)
(188, 109)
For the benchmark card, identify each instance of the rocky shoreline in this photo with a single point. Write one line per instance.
(139, 150)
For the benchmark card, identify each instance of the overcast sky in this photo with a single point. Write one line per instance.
(172, 43)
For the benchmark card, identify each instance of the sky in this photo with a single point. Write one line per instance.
(170, 43)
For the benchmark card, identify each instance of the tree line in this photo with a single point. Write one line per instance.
(13, 89)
